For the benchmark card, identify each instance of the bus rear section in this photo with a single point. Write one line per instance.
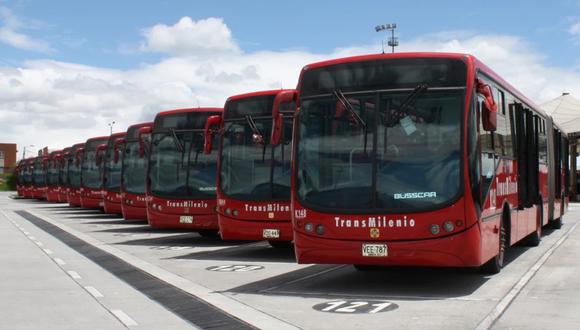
(255, 167)
(73, 174)
(112, 174)
(62, 175)
(39, 186)
(181, 179)
(413, 159)
(52, 176)
(134, 154)
(92, 172)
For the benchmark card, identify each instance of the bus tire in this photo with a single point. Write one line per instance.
(495, 264)
(280, 244)
(208, 233)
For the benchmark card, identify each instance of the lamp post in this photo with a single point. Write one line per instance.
(392, 41)
(24, 150)
(111, 124)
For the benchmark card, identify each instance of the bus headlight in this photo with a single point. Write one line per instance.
(228, 211)
(434, 229)
(309, 227)
(235, 212)
(448, 226)
(320, 230)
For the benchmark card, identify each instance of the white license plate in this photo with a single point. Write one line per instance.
(271, 233)
(374, 250)
(186, 219)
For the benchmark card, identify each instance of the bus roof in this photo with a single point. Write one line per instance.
(186, 110)
(255, 94)
(149, 123)
(97, 138)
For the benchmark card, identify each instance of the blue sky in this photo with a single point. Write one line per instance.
(68, 68)
(106, 33)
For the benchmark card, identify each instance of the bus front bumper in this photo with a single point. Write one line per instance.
(158, 219)
(134, 212)
(458, 250)
(253, 230)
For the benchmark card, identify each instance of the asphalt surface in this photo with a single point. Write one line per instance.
(64, 267)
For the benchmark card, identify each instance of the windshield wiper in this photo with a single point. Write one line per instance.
(176, 141)
(412, 96)
(256, 135)
(346, 104)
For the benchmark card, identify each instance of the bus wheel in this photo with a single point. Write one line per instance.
(280, 244)
(208, 233)
(534, 238)
(495, 265)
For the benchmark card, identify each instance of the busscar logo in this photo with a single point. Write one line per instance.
(375, 233)
(415, 195)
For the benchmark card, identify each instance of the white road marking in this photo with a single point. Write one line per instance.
(32, 237)
(94, 292)
(124, 318)
(47, 251)
(505, 302)
(60, 261)
(74, 274)
(38, 243)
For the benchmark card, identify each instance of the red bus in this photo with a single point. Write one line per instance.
(92, 173)
(427, 159)
(134, 171)
(27, 168)
(53, 165)
(112, 175)
(62, 175)
(19, 172)
(253, 187)
(39, 187)
(73, 174)
(181, 179)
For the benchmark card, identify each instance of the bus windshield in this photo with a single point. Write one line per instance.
(381, 150)
(39, 174)
(91, 173)
(134, 169)
(112, 169)
(63, 171)
(53, 172)
(250, 170)
(178, 168)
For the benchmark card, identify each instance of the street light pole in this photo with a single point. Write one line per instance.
(392, 41)
(111, 124)
(24, 150)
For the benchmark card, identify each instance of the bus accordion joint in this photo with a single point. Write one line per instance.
(209, 131)
(489, 107)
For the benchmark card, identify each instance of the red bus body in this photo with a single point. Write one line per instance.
(27, 169)
(170, 199)
(62, 175)
(52, 177)
(133, 173)
(92, 174)
(39, 186)
(246, 211)
(112, 177)
(461, 231)
(19, 172)
(73, 174)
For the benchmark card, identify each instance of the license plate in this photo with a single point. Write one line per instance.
(374, 250)
(271, 233)
(186, 219)
(101, 204)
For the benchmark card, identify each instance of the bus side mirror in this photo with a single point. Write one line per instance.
(144, 133)
(101, 149)
(489, 107)
(277, 117)
(209, 131)
(78, 155)
(117, 144)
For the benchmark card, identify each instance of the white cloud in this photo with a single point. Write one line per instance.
(188, 37)
(10, 33)
(58, 104)
(575, 29)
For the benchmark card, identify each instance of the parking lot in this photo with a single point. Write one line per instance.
(75, 268)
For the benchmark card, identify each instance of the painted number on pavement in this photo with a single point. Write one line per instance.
(234, 268)
(356, 306)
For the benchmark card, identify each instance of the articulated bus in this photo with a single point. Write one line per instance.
(420, 159)
(112, 175)
(181, 179)
(62, 175)
(92, 173)
(73, 174)
(253, 187)
(39, 187)
(134, 171)
(52, 175)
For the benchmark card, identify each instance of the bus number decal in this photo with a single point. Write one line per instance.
(355, 306)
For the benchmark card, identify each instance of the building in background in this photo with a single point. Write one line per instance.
(7, 157)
